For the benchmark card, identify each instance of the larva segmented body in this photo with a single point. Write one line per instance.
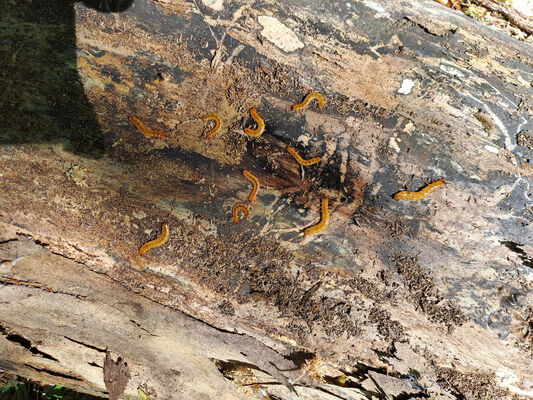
(406, 195)
(238, 207)
(260, 124)
(300, 160)
(313, 95)
(159, 241)
(324, 219)
(145, 131)
(213, 130)
(248, 175)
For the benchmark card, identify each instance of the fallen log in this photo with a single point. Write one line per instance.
(392, 299)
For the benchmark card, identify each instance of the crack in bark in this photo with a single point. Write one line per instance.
(15, 337)
(8, 241)
(90, 346)
(144, 329)
(308, 294)
(140, 294)
(408, 396)
(19, 282)
(54, 373)
(426, 29)
(280, 379)
(77, 296)
(515, 247)
(72, 258)
(226, 367)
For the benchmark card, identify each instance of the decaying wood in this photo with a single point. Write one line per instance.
(394, 299)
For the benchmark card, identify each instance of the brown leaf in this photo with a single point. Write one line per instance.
(116, 376)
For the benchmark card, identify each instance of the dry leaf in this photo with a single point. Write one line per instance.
(116, 376)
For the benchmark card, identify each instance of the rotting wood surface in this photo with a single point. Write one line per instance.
(405, 298)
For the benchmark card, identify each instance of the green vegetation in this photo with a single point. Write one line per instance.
(473, 11)
(24, 389)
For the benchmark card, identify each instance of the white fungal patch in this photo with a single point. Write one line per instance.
(394, 145)
(216, 5)
(451, 70)
(279, 34)
(304, 139)
(380, 11)
(492, 149)
(407, 86)
(409, 127)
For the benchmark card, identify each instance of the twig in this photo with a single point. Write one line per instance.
(208, 26)
(220, 45)
(512, 15)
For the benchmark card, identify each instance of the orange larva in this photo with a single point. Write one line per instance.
(323, 220)
(260, 124)
(255, 182)
(300, 160)
(145, 131)
(213, 130)
(238, 207)
(159, 241)
(313, 95)
(406, 195)
(451, 3)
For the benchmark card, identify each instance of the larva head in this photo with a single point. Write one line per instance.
(401, 195)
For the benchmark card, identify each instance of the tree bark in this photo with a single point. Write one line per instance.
(393, 299)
